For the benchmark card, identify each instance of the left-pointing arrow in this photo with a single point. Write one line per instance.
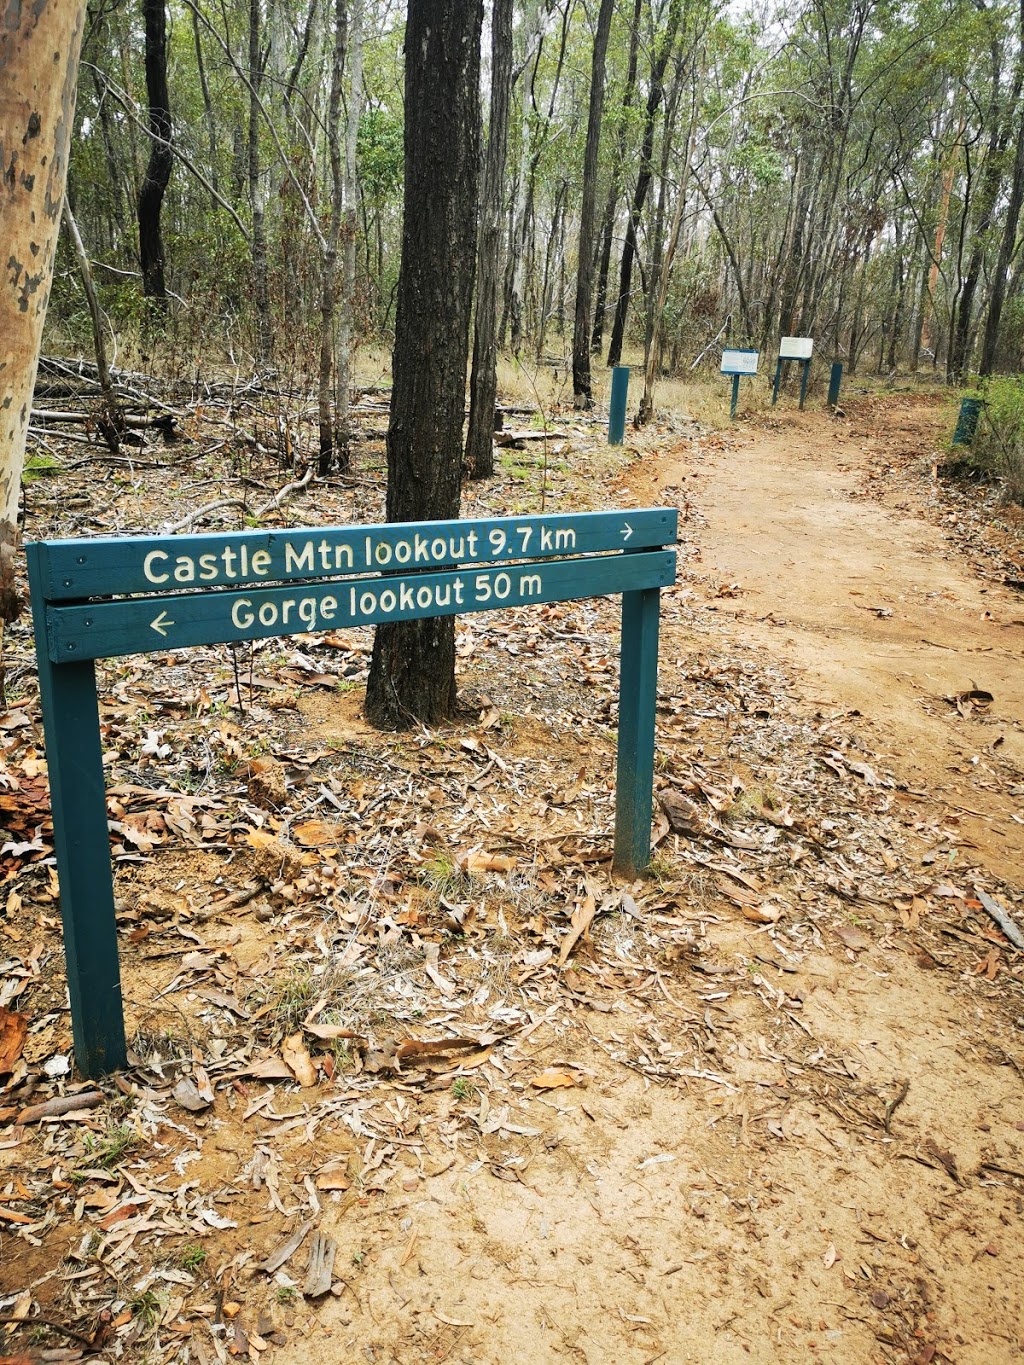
(161, 623)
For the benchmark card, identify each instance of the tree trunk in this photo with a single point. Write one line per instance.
(997, 293)
(39, 50)
(329, 256)
(412, 669)
(204, 85)
(643, 184)
(158, 168)
(484, 382)
(581, 386)
(612, 202)
(261, 286)
(111, 421)
(349, 223)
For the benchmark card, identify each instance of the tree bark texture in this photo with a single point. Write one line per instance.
(484, 383)
(581, 385)
(158, 168)
(39, 51)
(412, 670)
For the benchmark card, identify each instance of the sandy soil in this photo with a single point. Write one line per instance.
(732, 1217)
(772, 1109)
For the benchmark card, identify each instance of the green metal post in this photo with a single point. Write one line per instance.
(617, 405)
(778, 381)
(735, 395)
(74, 757)
(805, 369)
(638, 686)
(835, 380)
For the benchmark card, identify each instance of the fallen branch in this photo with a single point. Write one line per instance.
(1001, 917)
(63, 1104)
(163, 420)
(286, 492)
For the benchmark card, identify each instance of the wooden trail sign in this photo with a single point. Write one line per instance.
(103, 598)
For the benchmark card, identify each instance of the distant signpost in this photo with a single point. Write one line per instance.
(102, 598)
(738, 362)
(794, 348)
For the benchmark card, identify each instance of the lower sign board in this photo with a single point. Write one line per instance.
(102, 598)
(796, 348)
(739, 362)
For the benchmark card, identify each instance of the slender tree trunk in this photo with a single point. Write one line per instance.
(329, 255)
(614, 189)
(261, 284)
(412, 669)
(550, 253)
(581, 386)
(158, 169)
(484, 382)
(111, 420)
(39, 51)
(349, 223)
(1007, 243)
(659, 285)
(643, 184)
(204, 85)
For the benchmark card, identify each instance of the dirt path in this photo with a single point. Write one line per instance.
(767, 1107)
(760, 1208)
(876, 611)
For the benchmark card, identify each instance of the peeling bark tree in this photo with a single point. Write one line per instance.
(39, 49)
(412, 671)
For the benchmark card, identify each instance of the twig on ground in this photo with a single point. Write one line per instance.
(1001, 917)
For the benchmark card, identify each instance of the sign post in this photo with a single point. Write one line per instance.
(103, 598)
(617, 405)
(794, 348)
(834, 382)
(737, 362)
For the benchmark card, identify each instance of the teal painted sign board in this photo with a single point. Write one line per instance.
(794, 348)
(107, 597)
(738, 361)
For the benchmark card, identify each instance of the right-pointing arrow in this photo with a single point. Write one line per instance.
(627, 532)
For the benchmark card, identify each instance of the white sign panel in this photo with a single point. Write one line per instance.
(795, 348)
(739, 362)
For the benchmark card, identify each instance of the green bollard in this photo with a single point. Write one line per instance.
(617, 406)
(967, 422)
(835, 379)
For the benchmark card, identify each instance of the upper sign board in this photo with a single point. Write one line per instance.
(796, 348)
(739, 362)
(107, 566)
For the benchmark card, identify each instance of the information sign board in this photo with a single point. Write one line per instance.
(106, 597)
(739, 361)
(796, 348)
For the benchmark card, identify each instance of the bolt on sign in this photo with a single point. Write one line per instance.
(107, 597)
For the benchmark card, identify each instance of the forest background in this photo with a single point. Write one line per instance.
(848, 171)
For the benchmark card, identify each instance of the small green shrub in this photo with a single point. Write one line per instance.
(999, 444)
